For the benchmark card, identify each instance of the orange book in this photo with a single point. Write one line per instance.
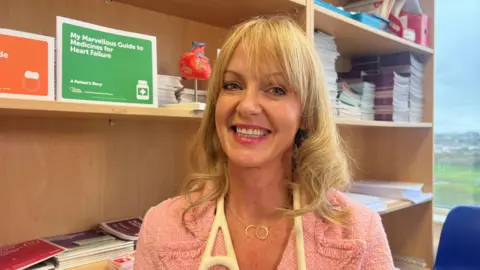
(26, 65)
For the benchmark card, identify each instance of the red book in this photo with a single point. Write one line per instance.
(22, 255)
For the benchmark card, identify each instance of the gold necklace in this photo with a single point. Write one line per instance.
(260, 228)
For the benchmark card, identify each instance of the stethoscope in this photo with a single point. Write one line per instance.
(230, 260)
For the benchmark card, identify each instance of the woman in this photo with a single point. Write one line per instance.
(267, 168)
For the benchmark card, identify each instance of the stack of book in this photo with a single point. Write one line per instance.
(416, 90)
(29, 254)
(348, 103)
(328, 53)
(391, 189)
(186, 95)
(398, 80)
(355, 100)
(375, 203)
(87, 247)
(366, 91)
(391, 96)
(110, 240)
(166, 88)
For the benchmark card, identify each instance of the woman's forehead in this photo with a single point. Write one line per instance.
(244, 62)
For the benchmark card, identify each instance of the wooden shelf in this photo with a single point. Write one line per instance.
(353, 37)
(365, 123)
(219, 13)
(40, 108)
(399, 205)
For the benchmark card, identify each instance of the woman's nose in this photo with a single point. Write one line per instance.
(249, 103)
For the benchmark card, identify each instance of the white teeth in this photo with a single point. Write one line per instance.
(248, 132)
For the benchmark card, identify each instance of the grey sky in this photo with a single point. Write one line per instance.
(457, 59)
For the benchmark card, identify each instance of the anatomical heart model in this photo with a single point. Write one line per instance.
(194, 65)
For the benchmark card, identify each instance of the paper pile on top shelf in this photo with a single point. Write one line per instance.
(373, 202)
(166, 88)
(187, 95)
(328, 53)
(391, 189)
(87, 247)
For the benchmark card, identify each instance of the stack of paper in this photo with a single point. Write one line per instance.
(187, 95)
(398, 79)
(391, 96)
(347, 111)
(416, 90)
(348, 103)
(391, 189)
(366, 91)
(328, 53)
(87, 247)
(406, 65)
(166, 87)
(373, 202)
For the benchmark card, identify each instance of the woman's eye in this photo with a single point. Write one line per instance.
(231, 86)
(278, 91)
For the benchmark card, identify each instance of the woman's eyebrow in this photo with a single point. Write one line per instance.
(234, 73)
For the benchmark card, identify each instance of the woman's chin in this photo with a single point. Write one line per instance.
(247, 161)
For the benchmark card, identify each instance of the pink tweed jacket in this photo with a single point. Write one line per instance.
(165, 244)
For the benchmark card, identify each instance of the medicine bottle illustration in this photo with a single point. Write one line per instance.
(31, 81)
(143, 91)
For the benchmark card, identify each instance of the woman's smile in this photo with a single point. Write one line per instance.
(250, 134)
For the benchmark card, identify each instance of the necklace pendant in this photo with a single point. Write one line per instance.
(258, 231)
(264, 235)
(247, 228)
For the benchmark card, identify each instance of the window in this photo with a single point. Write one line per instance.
(457, 104)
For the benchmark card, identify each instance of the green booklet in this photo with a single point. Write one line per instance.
(96, 64)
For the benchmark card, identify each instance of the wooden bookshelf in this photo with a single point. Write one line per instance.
(219, 13)
(353, 37)
(56, 109)
(66, 167)
(399, 205)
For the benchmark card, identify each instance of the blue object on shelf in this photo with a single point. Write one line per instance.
(333, 8)
(371, 20)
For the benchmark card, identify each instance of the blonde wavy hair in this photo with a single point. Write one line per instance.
(319, 162)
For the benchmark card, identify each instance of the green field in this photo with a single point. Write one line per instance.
(456, 185)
